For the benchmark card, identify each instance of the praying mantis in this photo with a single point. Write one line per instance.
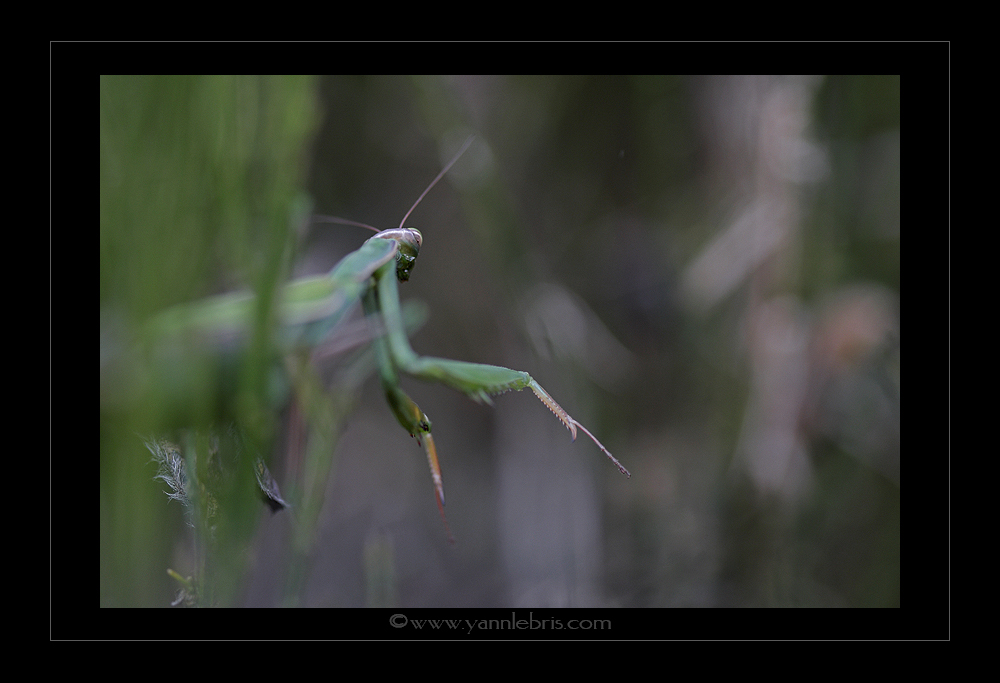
(312, 307)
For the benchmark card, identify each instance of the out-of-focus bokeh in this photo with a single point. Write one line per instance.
(704, 271)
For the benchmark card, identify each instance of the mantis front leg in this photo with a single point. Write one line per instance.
(407, 412)
(477, 381)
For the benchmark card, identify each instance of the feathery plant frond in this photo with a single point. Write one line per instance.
(171, 470)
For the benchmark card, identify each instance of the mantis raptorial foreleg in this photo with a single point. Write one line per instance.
(477, 381)
(407, 412)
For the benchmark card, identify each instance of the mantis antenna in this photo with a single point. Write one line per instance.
(344, 221)
(439, 176)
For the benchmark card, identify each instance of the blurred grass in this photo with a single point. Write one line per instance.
(199, 177)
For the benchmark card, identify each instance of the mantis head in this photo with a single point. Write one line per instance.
(408, 241)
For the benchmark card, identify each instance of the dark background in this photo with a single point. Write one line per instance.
(704, 271)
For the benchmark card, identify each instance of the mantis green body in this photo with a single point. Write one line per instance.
(312, 307)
